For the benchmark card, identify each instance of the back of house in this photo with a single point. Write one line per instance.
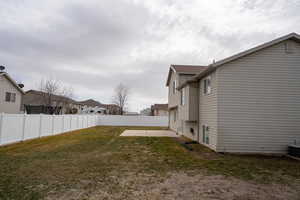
(249, 102)
(259, 99)
(178, 74)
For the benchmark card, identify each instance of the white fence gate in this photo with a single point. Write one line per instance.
(18, 127)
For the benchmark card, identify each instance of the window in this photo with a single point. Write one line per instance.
(174, 87)
(205, 134)
(182, 96)
(206, 86)
(10, 97)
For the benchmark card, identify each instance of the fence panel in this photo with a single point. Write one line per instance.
(67, 123)
(118, 120)
(12, 128)
(18, 127)
(73, 122)
(46, 125)
(32, 126)
(80, 122)
(85, 121)
(57, 124)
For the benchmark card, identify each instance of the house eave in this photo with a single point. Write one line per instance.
(211, 68)
(172, 107)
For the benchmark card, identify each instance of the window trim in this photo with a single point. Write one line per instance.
(205, 134)
(7, 96)
(10, 97)
(13, 97)
(182, 96)
(207, 89)
(174, 86)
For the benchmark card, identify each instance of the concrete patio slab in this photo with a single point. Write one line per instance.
(149, 133)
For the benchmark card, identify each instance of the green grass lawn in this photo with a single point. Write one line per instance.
(97, 157)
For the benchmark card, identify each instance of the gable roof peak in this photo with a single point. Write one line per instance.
(185, 69)
(2, 73)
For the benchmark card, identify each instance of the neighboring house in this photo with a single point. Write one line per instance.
(11, 95)
(112, 109)
(247, 103)
(159, 110)
(93, 107)
(36, 98)
(146, 112)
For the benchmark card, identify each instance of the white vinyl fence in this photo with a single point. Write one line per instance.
(123, 120)
(20, 127)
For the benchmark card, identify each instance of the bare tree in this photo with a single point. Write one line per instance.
(49, 87)
(55, 94)
(120, 97)
(65, 100)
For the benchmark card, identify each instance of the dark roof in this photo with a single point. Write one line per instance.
(36, 100)
(292, 36)
(91, 103)
(159, 107)
(185, 69)
(188, 69)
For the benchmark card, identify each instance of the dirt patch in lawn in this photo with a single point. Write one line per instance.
(177, 186)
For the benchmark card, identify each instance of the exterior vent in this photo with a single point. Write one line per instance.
(289, 47)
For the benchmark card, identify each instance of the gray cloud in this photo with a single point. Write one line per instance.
(93, 45)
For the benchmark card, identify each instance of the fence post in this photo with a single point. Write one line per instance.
(1, 126)
(71, 122)
(40, 130)
(78, 122)
(24, 123)
(63, 123)
(52, 124)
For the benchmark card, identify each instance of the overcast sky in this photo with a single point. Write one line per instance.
(93, 45)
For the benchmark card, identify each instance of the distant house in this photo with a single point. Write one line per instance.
(39, 102)
(246, 103)
(91, 106)
(159, 110)
(11, 94)
(146, 112)
(112, 109)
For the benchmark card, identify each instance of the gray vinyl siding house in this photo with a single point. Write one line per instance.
(254, 101)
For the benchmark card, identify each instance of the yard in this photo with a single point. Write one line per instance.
(96, 163)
